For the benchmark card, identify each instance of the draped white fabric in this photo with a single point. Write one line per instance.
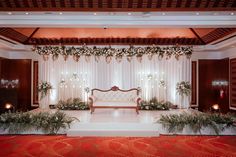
(69, 78)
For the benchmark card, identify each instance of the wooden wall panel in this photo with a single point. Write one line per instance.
(35, 82)
(233, 83)
(19, 69)
(194, 83)
(212, 70)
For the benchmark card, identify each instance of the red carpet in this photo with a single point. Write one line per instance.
(168, 146)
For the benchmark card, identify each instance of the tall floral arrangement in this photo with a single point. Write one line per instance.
(44, 88)
(183, 88)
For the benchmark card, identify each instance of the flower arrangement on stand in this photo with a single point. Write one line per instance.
(44, 88)
(183, 88)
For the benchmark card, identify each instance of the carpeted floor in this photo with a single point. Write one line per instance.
(168, 146)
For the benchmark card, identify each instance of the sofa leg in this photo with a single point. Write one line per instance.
(137, 110)
(92, 110)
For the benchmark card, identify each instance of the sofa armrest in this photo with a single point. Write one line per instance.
(138, 100)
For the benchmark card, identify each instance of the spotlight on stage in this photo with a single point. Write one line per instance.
(215, 108)
(8, 106)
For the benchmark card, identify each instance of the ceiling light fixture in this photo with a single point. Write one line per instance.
(9, 13)
(60, 13)
(26, 13)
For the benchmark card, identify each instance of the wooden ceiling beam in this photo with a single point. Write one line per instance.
(118, 5)
(195, 33)
(119, 41)
(31, 35)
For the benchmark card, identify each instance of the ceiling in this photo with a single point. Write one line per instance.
(137, 22)
(135, 36)
(117, 5)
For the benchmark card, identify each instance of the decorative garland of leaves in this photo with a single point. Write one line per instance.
(72, 104)
(49, 123)
(197, 121)
(161, 52)
(154, 104)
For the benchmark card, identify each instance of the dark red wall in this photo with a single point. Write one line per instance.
(19, 69)
(211, 70)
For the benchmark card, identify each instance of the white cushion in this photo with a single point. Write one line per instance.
(114, 103)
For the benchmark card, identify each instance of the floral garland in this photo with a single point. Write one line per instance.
(76, 52)
(183, 88)
(43, 88)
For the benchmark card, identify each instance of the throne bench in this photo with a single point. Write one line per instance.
(114, 98)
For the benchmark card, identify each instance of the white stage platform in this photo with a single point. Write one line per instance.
(116, 122)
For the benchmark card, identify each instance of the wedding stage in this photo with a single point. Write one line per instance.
(123, 122)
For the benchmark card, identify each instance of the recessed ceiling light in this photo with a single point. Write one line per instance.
(26, 13)
(197, 13)
(129, 13)
(163, 14)
(95, 14)
(9, 13)
(60, 13)
(232, 13)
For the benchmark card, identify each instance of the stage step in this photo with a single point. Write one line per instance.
(114, 129)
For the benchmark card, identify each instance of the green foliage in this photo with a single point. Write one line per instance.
(47, 122)
(154, 104)
(72, 104)
(197, 121)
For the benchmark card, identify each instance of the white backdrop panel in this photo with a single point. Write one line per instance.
(146, 75)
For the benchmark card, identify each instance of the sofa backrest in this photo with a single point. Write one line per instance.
(115, 94)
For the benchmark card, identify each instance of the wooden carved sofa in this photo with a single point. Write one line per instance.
(114, 98)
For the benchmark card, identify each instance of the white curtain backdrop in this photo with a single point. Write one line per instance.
(69, 78)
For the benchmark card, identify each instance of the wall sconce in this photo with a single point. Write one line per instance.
(9, 83)
(219, 83)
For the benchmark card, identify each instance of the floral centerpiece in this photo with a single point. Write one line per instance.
(43, 88)
(183, 88)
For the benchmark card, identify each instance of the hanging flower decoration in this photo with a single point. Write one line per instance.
(43, 88)
(150, 51)
(183, 88)
(162, 84)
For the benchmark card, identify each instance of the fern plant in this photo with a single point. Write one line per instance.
(197, 121)
(49, 123)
